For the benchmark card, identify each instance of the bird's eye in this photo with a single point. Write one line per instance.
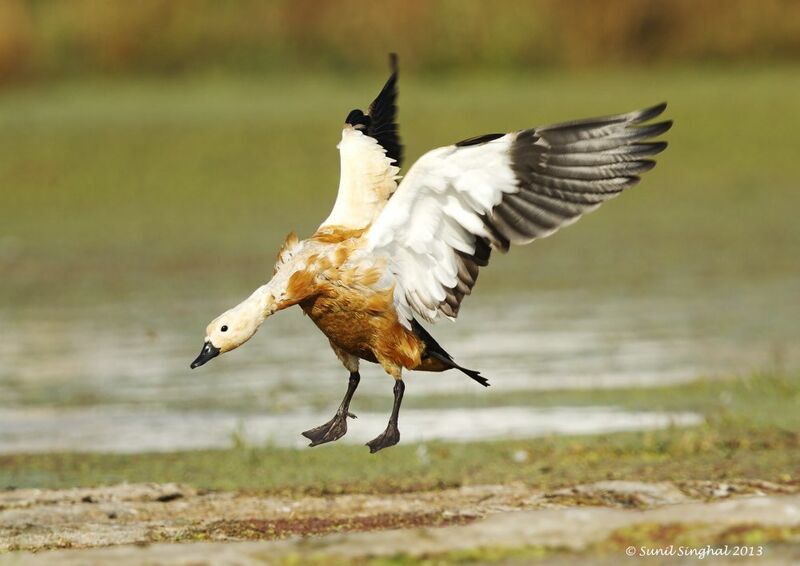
(224, 328)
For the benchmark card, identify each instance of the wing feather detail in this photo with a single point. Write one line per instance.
(370, 152)
(458, 203)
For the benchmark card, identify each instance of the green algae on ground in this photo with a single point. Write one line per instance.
(271, 529)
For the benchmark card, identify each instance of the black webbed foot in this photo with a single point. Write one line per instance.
(335, 428)
(332, 430)
(389, 437)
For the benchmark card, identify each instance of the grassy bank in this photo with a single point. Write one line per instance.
(751, 431)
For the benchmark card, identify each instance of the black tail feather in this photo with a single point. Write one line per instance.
(476, 375)
(434, 350)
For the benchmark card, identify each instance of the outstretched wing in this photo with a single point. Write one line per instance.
(371, 155)
(459, 202)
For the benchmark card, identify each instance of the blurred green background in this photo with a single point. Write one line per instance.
(154, 154)
(159, 134)
(41, 39)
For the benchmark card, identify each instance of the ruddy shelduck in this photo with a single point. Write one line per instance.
(393, 252)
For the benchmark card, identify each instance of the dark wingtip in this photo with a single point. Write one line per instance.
(645, 165)
(383, 117)
(645, 114)
(652, 112)
(657, 147)
(651, 130)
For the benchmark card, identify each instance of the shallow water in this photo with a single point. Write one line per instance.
(131, 430)
(116, 377)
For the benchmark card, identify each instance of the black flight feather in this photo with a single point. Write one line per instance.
(380, 121)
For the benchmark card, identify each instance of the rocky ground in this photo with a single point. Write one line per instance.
(173, 524)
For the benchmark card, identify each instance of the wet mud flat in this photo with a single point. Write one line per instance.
(174, 524)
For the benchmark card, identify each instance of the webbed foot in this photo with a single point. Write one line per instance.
(389, 437)
(332, 430)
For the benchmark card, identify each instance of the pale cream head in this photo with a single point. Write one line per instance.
(231, 329)
(235, 326)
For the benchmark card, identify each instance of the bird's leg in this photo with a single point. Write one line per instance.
(335, 428)
(391, 435)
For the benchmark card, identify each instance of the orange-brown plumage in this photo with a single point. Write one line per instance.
(356, 318)
(337, 234)
(363, 326)
(291, 241)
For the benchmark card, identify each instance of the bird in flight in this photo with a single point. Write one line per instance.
(395, 252)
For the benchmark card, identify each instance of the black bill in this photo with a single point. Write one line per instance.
(208, 352)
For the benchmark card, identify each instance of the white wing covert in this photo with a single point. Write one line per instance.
(371, 154)
(459, 202)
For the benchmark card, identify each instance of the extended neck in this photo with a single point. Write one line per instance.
(260, 304)
(278, 293)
